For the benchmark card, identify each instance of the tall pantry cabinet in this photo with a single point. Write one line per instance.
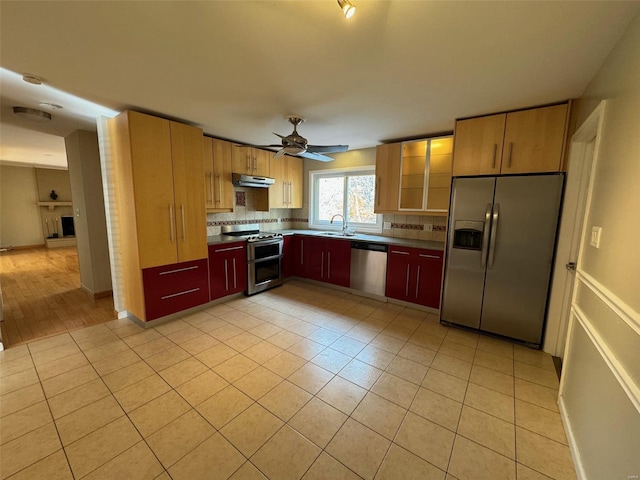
(162, 229)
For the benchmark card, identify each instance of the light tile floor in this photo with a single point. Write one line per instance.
(297, 382)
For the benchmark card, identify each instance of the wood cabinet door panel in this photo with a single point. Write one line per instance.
(222, 186)
(207, 155)
(188, 171)
(288, 256)
(478, 145)
(295, 168)
(241, 160)
(277, 191)
(533, 140)
(261, 160)
(388, 159)
(152, 171)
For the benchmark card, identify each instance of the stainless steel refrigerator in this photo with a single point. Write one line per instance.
(500, 247)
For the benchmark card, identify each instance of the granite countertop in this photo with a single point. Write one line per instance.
(403, 242)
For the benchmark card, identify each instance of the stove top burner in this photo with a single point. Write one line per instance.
(249, 232)
(263, 236)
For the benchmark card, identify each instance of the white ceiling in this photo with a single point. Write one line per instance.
(397, 69)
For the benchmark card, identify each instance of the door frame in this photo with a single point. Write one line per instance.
(582, 161)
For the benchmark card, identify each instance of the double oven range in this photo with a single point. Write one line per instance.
(264, 256)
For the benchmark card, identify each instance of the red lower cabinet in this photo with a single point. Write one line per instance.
(414, 275)
(289, 255)
(171, 288)
(227, 269)
(325, 260)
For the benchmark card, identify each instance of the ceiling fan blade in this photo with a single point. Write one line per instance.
(327, 148)
(315, 156)
(264, 146)
(279, 153)
(278, 135)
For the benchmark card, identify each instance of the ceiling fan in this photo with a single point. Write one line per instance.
(296, 145)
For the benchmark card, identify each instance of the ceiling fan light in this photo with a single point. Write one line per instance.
(348, 8)
(32, 114)
(294, 150)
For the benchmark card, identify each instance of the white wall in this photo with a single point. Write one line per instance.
(89, 214)
(19, 214)
(600, 393)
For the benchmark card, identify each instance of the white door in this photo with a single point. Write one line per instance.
(583, 148)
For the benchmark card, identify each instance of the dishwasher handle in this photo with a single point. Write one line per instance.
(375, 247)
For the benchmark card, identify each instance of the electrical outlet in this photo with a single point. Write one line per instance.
(595, 236)
(386, 225)
(428, 227)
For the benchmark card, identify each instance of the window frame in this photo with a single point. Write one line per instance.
(315, 176)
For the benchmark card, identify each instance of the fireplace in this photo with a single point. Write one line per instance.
(68, 229)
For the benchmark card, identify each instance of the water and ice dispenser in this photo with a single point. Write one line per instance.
(467, 234)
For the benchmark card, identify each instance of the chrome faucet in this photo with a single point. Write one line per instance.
(344, 223)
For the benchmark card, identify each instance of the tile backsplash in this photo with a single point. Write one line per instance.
(402, 226)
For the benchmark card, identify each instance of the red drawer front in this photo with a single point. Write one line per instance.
(173, 288)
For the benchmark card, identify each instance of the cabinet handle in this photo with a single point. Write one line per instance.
(329, 265)
(301, 252)
(219, 189)
(248, 163)
(417, 280)
(495, 153)
(289, 193)
(179, 293)
(210, 175)
(235, 278)
(226, 276)
(322, 266)
(229, 249)
(510, 154)
(184, 230)
(429, 256)
(255, 163)
(171, 225)
(177, 270)
(284, 193)
(406, 289)
(399, 253)
(377, 194)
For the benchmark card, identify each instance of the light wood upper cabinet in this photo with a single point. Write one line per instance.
(478, 145)
(157, 165)
(388, 159)
(414, 176)
(218, 187)
(287, 191)
(251, 161)
(526, 141)
(188, 171)
(533, 140)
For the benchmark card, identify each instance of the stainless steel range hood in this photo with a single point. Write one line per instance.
(240, 180)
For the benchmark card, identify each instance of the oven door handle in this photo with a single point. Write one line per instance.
(267, 242)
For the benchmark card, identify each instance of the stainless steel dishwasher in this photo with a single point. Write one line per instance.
(369, 267)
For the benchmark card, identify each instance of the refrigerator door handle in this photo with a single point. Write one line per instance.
(494, 233)
(485, 236)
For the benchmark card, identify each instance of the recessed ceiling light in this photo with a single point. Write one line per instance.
(32, 79)
(32, 114)
(52, 106)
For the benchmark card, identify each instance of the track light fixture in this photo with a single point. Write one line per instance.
(348, 8)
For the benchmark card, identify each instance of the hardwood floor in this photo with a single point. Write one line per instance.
(42, 296)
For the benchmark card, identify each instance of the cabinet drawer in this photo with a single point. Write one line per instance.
(173, 288)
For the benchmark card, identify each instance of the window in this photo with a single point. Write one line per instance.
(348, 192)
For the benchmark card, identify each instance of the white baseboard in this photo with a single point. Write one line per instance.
(573, 448)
